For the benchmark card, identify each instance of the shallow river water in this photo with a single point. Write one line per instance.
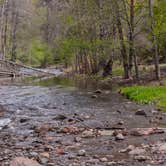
(34, 104)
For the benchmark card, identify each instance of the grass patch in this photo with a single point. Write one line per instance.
(147, 94)
(117, 72)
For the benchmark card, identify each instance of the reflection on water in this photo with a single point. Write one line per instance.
(83, 83)
(80, 83)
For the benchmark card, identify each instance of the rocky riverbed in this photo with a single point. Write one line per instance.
(67, 126)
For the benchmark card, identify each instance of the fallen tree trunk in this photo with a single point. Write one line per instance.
(17, 67)
(10, 74)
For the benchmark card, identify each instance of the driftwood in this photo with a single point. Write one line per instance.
(10, 74)
(13, 68)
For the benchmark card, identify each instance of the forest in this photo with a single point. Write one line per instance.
(82, 82)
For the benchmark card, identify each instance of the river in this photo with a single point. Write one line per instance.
(36, 112)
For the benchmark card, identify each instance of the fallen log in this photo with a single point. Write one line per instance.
(18, 66)
(10, 74)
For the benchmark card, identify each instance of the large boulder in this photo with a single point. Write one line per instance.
(21, 161)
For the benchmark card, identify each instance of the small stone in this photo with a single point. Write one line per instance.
(162, 148)
(50, 164)
(60, 117)
(82, 152)
(104, 159)
(33, 154)
(120, 123)
(71, 157)
(142, 158)
(43, 161)
(128, 149)
(137, 151)
(45, 154)
(24, 120)
(87, 134)
(77, 139)
(119, 137)
(142, 131)
(106, 132)
(141, 112)
(94, 96)
(98, 91)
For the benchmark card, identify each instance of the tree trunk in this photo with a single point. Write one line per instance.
(13, 34)
(122, 42)
(108, 67)
(2, 30)
(131, 38)
(154, 41)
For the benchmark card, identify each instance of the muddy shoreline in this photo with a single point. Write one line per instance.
(57, 125)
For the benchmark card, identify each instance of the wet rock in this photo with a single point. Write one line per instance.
(87, 134)
(77, 139)
(137, 151)
(33, 154)
(119, 137)
(95, 124)
(21, 161)
(69, 130)
(43, 160)
(81, 152)
(146, 131)
(98, 91)
(1, 113)
(92, 161)
(50, 164)
(120, 123)
(71, 157)
(162, 148)
(24, 120)
(106, 132)
(113, 163)
(128, 149)
(42, 129)
(48, 148)
(60, 150)
(141, 112)
(4, 123)
(104, 159)
(60, 117)
(142, 158)
(45, 155)
(94, 96)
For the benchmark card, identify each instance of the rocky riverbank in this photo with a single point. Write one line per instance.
(69, 127)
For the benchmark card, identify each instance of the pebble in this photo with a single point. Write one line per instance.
(141, 112)
(137, 151)
(98, 91)
(82, 152)
(23, 120)
(119, 137)
(87, 134)
(94, 96)
(33, 154)
(77, 139)
(142, 158)
(43, 160)
(104, 159)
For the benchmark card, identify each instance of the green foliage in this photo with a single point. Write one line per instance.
(118, 72)
(69, 46)
(42, 55)
(160, 23)
(147, 94)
